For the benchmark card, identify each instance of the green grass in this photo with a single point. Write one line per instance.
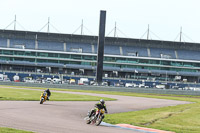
(180, 119)
(11, 130)
(34, 95)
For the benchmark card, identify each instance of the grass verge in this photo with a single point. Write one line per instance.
(11, 130)
(34, 95)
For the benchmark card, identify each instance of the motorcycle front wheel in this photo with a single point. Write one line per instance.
(88, 121)
(41, 101)
(98, 121)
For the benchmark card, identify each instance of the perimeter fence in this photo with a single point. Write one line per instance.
(104, 88)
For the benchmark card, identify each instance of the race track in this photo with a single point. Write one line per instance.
(68, 117)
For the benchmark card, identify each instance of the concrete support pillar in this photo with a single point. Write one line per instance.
(92, 45)
(65, 46)
(101, 40)
(8, 43)
(36, 44)
(121, 50)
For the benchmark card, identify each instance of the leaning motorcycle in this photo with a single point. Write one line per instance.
(43, 97)
(96, 118)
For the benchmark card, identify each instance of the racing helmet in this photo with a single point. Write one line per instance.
(102, 101)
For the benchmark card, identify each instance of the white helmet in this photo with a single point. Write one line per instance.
(102, 101)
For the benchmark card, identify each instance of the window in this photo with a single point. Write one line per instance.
(7, 52)
(52, 55)
(85, 57)
(64, 56)
(6, 58)
(29, 53)
(64, 62)
(132, 60)
(53, 61)
(76, 56)
(165, 62)
(74, 62)
(19, 59)
(112, 59)
(85, 63)
(42, 54)
(144, 61)
(29, 60)
(154, 61)
(18, 53)
(42, 60)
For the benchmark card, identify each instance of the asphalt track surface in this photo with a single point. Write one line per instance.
(68, 116)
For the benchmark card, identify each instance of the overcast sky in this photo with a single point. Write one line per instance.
(165, 17)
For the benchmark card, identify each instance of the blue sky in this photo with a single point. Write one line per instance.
(165, 17)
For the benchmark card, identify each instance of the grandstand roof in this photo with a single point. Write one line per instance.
(93, 39)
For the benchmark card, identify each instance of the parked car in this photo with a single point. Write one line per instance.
(72, 81)
(120, 84)
(57, 81)
(48, 80)
(160, 86)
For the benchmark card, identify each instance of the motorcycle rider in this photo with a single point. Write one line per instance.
(48, 93)
(100, 105)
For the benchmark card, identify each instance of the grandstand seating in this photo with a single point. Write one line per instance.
(132, 50)
(95, 48)
(32, 63)
(3, 61)
(189, 73)
(136, 70)
(49, 45)
(79, 47)
(107, 68)
(108, 49)
(167, 53)
(50, 64)
(3, 42)
(19, 43)
(171, 73)
(78, 66)
(188, 55)
(22, 62)
(164, 72)
(111, 49)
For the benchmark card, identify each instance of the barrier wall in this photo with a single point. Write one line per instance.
(104, 88)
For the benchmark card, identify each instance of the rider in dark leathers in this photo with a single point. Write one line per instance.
(48, 93)
(100, 105)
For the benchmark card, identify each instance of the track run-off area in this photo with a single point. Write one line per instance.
(68, 116)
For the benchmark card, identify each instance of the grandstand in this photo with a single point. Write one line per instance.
(38, 53)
